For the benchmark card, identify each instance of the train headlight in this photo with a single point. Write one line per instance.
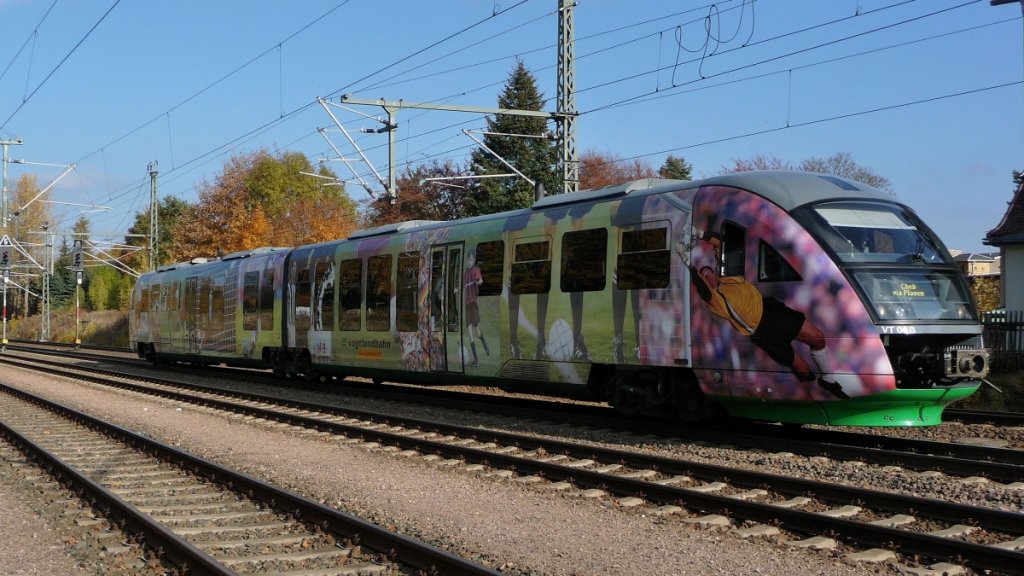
(978, 363)
(965, 365)
(893, 312)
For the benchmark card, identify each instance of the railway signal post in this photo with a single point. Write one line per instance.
(5, 269)
(77, 267)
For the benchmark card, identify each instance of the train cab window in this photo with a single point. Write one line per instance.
(351, 274)
(144, 299)
(644, 259)
(267, 299)
(772, 267)
(250, 300)
(154, 299)
(323, 311)
(875, 232)
(584, 254)
(406, 292)
(378, 292)
(490, 258)
(531, 267)
(734, 239)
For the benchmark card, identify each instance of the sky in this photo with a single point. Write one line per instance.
(927, 93)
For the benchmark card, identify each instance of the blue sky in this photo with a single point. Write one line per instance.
(928, 93)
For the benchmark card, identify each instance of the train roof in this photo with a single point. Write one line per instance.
(787, 189)
(790, 189)
(231, 256)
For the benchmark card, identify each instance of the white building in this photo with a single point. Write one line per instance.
(1008, 236)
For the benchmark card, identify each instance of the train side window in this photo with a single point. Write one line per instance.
(407, 289)
(154, 300)
(454, 279)
(531, 268)
(205, 312)
(378, 292)
(436, 289)
(351, 293)
(644, 259)
(584, 254)
(217, 304)
(323, 313)
(490, 258)
(302, 299)
(172, 297)
(267, 299)
(250, 300)
(772, 267)
(734, 238)
(144, 299)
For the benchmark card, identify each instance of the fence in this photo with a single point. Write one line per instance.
(1004, 335)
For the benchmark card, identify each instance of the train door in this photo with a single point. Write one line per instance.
(446, 308)
(192, 314)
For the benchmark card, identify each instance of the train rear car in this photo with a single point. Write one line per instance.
(223, 310)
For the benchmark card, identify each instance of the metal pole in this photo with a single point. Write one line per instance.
(154, 221)
(567, 95)
(5, 144)
(6, 280)
(78, 285)
(44, 328)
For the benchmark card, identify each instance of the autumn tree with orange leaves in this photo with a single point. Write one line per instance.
(598, 170)
(262, 200)
(425, 192)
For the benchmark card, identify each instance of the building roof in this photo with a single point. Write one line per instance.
(1011, 228)
(973, 257)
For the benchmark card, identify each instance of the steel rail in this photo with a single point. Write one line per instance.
(994, 519)
(158, 536)
(908, 542)
(407, 549)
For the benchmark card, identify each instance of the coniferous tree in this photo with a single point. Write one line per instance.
(537, 158)
(676, 168)
(169, 210)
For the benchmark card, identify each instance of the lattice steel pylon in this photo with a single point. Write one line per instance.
(567, 96)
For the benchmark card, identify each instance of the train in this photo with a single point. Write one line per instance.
(787, 296)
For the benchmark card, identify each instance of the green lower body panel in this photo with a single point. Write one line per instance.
(893, 408)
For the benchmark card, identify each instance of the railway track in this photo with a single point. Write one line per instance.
(202, 517)
(127, 357)
(966, 460)
(753, 502)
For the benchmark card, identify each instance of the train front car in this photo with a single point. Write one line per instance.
(843, 306)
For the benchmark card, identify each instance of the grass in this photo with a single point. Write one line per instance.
(104, 328)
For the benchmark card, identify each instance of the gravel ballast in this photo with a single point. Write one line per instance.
(518, 529)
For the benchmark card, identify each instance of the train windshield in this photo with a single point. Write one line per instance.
(878, 233)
